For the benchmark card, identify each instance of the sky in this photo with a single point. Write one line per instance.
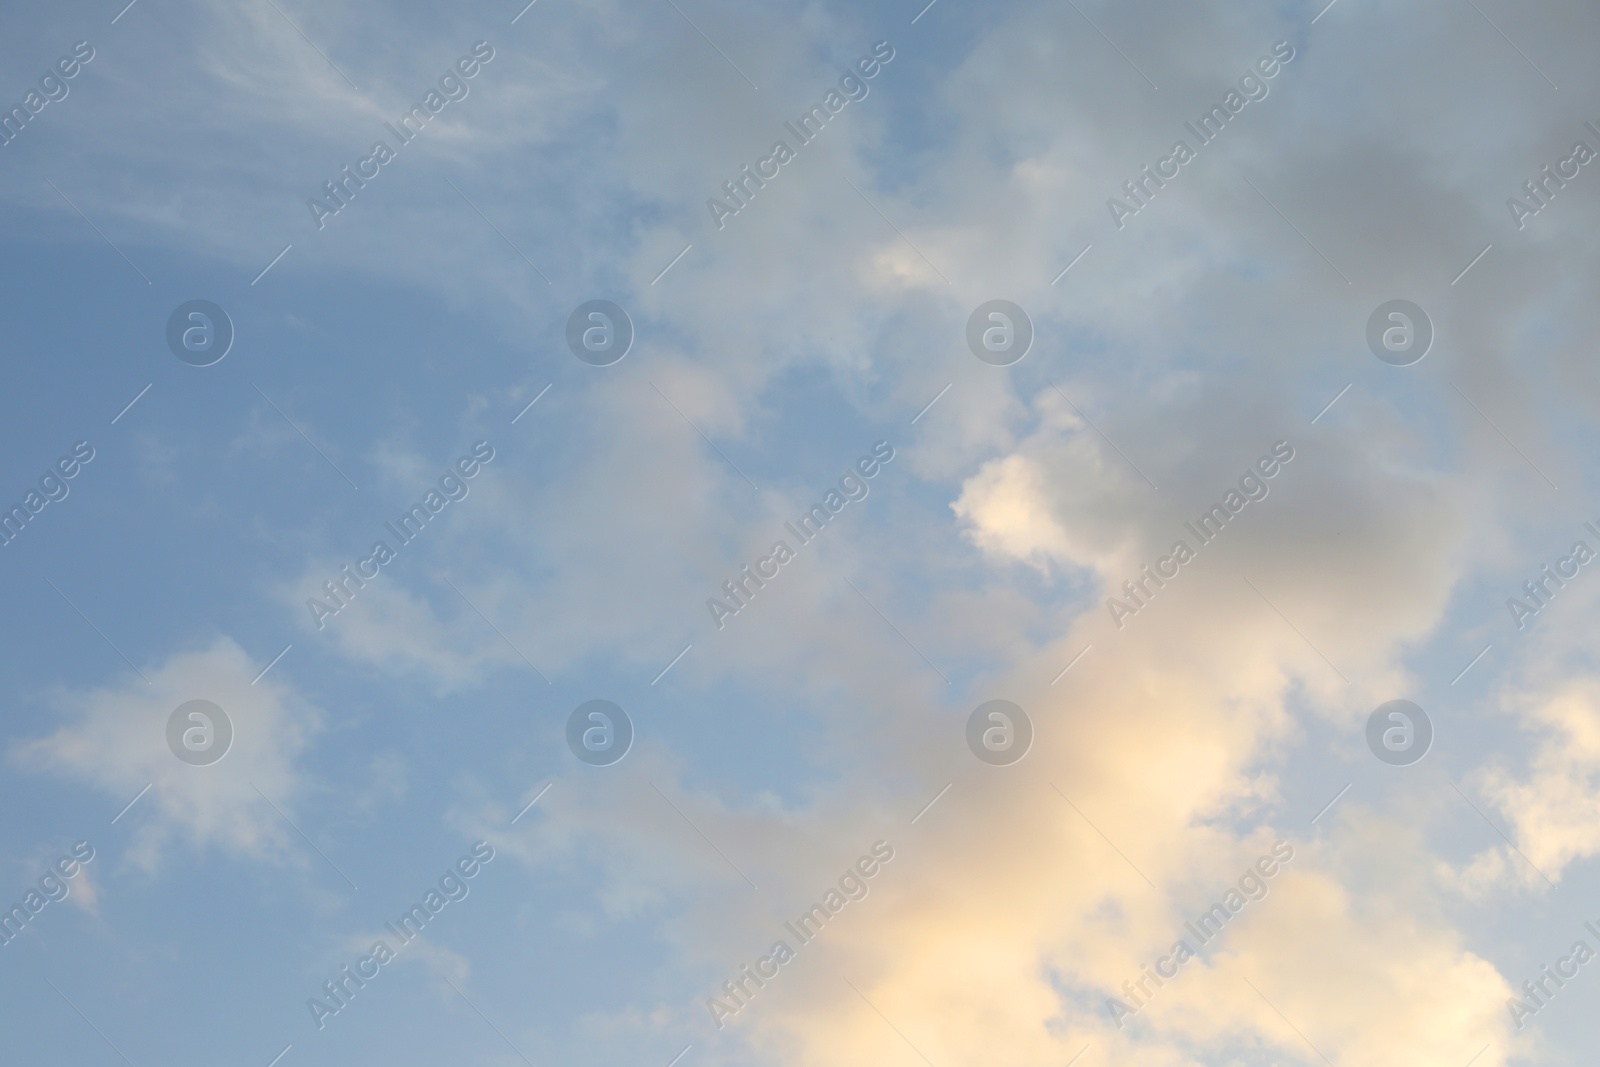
(598, 587)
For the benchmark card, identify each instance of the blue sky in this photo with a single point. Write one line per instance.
(374, 352)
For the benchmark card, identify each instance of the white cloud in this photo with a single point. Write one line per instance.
(113, 738)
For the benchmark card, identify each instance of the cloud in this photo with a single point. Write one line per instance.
(113, 739)
(1549, 804)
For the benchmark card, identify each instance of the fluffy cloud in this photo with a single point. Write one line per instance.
(1548, 805)
(113, 738)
